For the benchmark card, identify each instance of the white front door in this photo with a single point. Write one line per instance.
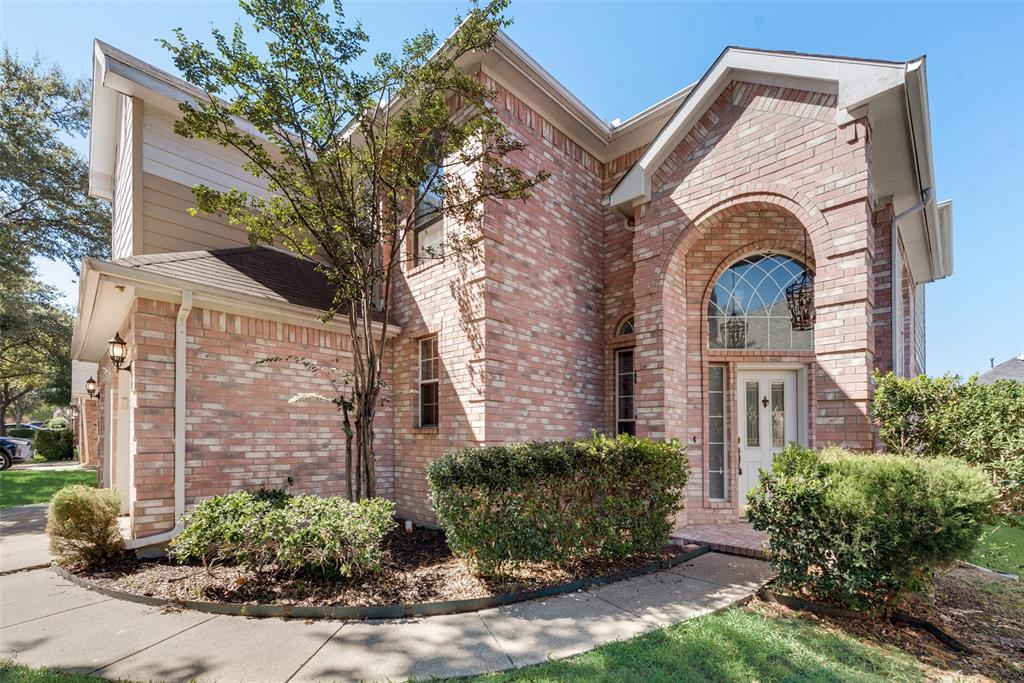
(767, 416)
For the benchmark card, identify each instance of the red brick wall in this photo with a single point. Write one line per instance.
(241, 431)
(762, 168)
(545, 340)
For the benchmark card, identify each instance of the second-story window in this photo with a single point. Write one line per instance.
(429, 381)
(428, 233)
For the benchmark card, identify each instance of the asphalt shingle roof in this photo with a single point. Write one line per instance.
(263, 272)
(1011, 369)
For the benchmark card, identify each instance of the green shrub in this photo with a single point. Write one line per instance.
(21, 433)
(273, 530)
(503, 506)
(82, 525)
(56, 423)
(981, 424)
(864, 530)
(55, 444)
(329, 535)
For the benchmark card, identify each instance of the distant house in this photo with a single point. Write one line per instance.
(1009, 369)
(640, 290)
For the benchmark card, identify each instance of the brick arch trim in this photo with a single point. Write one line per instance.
(753, 196)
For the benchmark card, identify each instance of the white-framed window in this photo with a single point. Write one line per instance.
(625, 327)
(625, 388)
(428, 233)
(429, 381)
(717, 452)
(748, 310)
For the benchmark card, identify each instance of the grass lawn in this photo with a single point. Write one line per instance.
(24, 487)
(735, 645)
(11, 673)
(1001, 548)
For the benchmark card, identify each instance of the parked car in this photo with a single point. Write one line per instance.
(14, 449)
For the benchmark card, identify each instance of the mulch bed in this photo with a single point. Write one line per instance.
(418, 567)
(982, 611)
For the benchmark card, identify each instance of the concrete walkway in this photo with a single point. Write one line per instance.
(47, 621)
(23, 541)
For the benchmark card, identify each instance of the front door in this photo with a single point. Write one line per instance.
(767, 416)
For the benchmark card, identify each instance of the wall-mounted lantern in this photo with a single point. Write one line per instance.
(90, 387)
(117, 349)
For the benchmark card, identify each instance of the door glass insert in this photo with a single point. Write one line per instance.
(778, 414)
(753, 415)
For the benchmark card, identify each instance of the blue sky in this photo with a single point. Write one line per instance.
(620, 57)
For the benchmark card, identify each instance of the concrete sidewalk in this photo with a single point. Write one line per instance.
(23, 541)
(46, 621)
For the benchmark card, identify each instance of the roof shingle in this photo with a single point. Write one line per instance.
(264, 272)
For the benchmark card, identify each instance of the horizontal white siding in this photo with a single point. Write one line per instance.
(121, 228)
(168, 227)
(191, 162)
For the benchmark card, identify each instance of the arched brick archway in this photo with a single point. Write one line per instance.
(672, 334)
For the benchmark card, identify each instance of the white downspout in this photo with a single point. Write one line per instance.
(896, 276)
(180, 373)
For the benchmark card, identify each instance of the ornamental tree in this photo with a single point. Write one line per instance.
(353, 151)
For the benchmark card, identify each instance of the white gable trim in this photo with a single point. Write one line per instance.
(855, 83)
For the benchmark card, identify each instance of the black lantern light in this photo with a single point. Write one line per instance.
(90, 387)
(117, 349)
(800, 298)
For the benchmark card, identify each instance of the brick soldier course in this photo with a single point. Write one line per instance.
(779, 155)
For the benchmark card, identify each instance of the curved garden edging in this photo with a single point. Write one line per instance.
(795, 603)
(396, 611)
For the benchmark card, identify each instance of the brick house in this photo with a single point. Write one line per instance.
(641, 289)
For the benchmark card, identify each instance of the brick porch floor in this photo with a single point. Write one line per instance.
(738, 538)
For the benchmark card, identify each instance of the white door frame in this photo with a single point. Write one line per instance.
(797, 373)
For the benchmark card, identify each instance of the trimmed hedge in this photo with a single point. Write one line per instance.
(981, 424)
(82, 525)
(286, 534)
(55, 444)
(21, 433)
(865, 530)
(562, 502)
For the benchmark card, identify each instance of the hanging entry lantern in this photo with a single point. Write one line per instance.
(800, 298)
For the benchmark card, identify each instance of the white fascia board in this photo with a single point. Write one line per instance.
(102, 131)
(854, 82)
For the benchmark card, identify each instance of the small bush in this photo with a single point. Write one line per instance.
(82, 525)
(21, 433)
(599, 498)
(55, 444)
(287, 534)
(864, 530)
(981, 424)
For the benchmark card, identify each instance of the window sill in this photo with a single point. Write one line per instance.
(426, 430)
(417, 268)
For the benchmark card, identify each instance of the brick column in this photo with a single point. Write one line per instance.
(151, 343)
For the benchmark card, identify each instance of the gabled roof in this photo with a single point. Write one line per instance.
(1012, 369)
(892, 95)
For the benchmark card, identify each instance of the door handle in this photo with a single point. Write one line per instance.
(739, 456)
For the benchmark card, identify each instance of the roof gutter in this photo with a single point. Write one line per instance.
(938, 229)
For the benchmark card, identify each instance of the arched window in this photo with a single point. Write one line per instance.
(747, 309)
(625, 327)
